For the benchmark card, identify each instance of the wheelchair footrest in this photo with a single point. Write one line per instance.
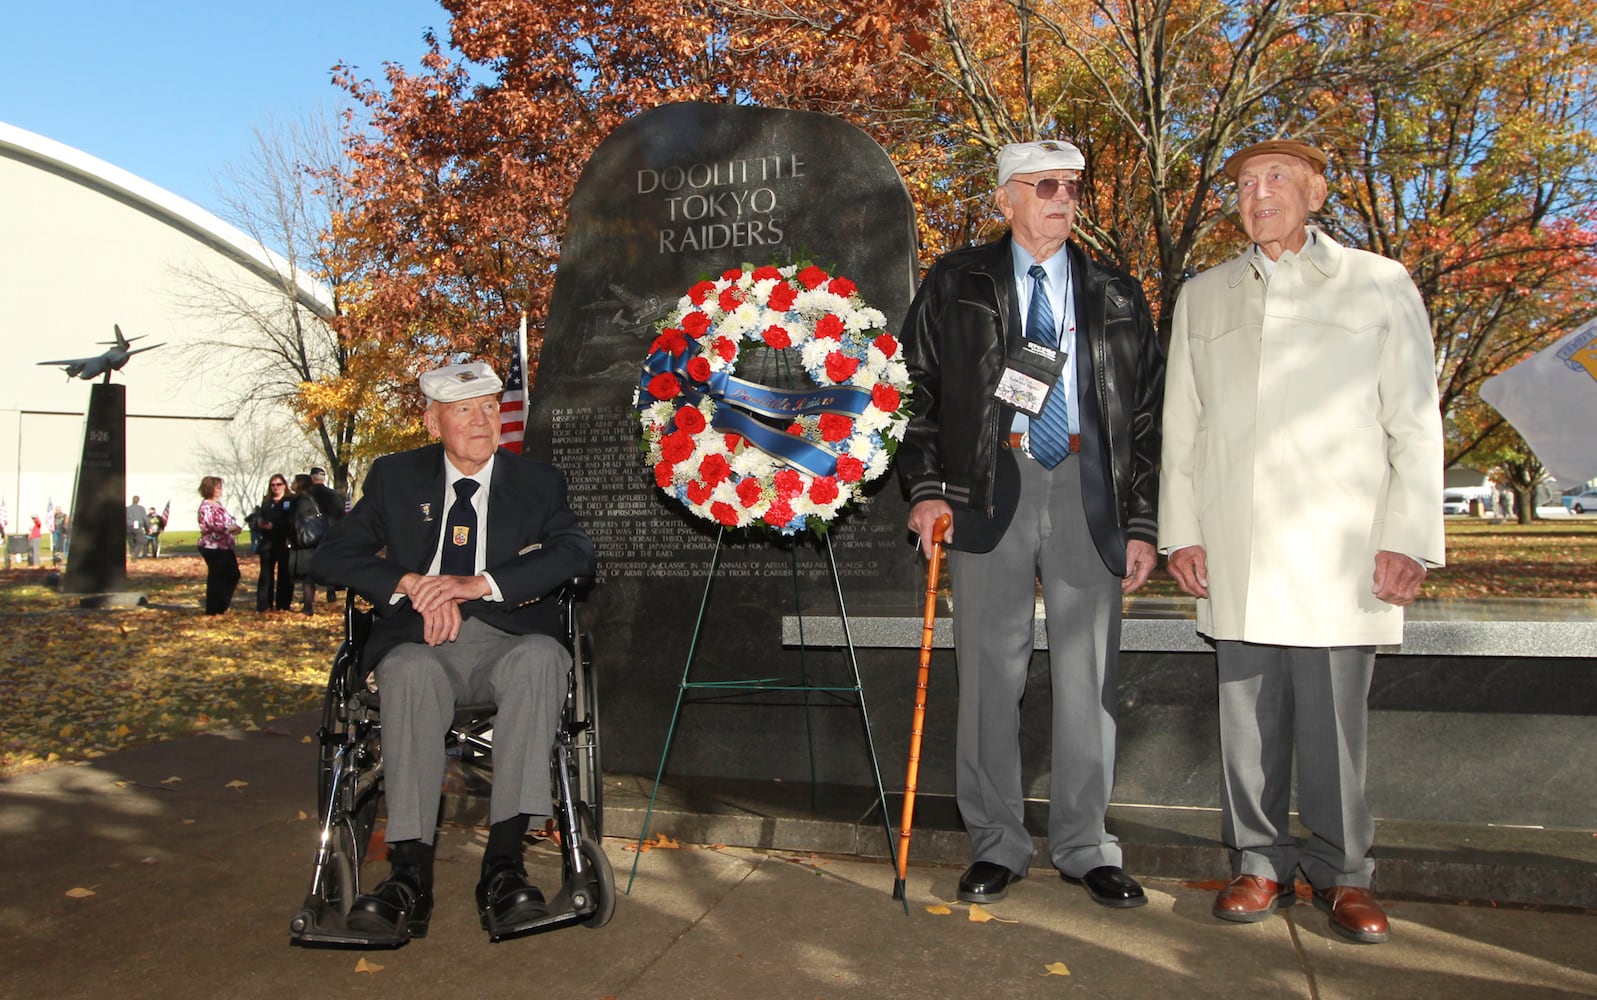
(559, 914)
(317, 924)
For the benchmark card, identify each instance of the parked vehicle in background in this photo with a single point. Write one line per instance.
(1582, 503)
(1455, 502)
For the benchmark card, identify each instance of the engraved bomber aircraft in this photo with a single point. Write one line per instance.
(89, 369)
(636, 313)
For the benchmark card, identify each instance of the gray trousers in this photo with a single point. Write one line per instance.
(1275, 697)
(524, 675)
(995, 597)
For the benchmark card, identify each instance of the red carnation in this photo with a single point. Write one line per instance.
(665, 386)
(885, 398)
(823, 490)
(671, 341)
(714, 469)
(841, 287)
(829, 328)
(696, 323)
(749, 491)
(840, 367)
(698, 492)
(812, 277)
(729, 299)
(778, 514)
(699, 369)
(689, 419)
(726, 348)
(788, 484)
(724, 514)
(782, 297)
(796, 429)
(732, 275)
(662, 475)
(836, 427)
(767, 273)
(732, 442)
(700, 292)
(676, 446)
(777, 337)
(850, 469)
(887, 344)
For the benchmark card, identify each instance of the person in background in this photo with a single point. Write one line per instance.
(1299, 364)
(217, 531)
(331, 504)
(269, 534)
(63, 536)
(302, 541)
(138, 519)
(152, 536)
(35, 541)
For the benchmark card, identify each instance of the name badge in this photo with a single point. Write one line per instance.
(1030, 374)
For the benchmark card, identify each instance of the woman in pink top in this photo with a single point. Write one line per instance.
(217, 530)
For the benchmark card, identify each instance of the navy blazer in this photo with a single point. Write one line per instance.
(534, 543)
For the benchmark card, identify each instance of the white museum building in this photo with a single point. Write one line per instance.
(89, 247)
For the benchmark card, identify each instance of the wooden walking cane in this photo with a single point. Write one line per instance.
(934, 565)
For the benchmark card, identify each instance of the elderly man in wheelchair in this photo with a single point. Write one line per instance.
(462, 549)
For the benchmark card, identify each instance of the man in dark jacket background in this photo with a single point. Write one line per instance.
(1036, 425)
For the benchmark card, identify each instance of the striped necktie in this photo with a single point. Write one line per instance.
(1050, 429)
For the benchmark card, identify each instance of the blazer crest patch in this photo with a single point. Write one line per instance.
(461, 534)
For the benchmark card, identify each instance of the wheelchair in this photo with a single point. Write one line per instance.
(350, 787)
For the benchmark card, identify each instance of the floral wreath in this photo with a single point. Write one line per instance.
(700, 422)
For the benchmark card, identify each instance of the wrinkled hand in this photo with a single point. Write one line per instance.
(1397, 577)
(923, 516)
(438, 598)
(1140, 561)
(1190, 567)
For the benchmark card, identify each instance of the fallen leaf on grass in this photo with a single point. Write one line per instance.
(1055, 969)
(981, 916)
(79, 893)
(940, 910)
(235, 783)
(303, 815)
(307, 739)
(369, 968)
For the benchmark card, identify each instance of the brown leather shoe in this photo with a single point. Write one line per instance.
(1248, 899)
(1354, 913)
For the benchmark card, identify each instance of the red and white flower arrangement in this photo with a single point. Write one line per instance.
(788, 473)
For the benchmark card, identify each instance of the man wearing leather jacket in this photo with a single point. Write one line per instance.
(1036, 424)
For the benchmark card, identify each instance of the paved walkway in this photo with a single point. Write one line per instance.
(197, 853)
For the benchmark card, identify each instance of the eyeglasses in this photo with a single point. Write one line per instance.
(1048, 187)
(278, 482)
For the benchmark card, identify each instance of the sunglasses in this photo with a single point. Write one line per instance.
(1048, 187)
(278, 482)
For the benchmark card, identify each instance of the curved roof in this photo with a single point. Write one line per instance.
(179, 213)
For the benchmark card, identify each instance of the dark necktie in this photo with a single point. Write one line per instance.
(460, 533)
(1050, 429)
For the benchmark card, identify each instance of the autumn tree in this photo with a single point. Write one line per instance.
(286, 348)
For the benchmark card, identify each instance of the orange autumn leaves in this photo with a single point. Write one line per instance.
(80, 684)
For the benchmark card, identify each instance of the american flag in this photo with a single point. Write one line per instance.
(513, 404)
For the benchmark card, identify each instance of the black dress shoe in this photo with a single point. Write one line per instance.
(986, 882)
(397, 910)
(1110, 886)
(506, 902)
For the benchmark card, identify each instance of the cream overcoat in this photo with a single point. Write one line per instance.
(1301, 436)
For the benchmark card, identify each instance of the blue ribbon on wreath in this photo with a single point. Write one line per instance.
(738, 400)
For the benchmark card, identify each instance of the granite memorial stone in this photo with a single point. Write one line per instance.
(678, 194)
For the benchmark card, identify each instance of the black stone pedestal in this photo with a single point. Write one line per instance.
(99, 536)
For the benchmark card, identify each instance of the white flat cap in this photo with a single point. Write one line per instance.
(1035, 157)
(452, 383)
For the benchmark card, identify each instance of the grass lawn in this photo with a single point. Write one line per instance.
(77, 684)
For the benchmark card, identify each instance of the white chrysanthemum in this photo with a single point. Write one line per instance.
(872, 421)
(864, 376)
(876, 466)
(749, 462)
(813, 354)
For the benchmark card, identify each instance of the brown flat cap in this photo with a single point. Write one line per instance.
(1291, 147)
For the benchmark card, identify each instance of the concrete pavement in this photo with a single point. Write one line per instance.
(197, 852)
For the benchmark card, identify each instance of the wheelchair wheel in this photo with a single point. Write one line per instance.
(342, 876)
(600, 890)
(590, 773)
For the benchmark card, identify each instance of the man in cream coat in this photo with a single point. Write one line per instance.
(1302, 466)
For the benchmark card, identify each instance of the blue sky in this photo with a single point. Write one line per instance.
(172, 91)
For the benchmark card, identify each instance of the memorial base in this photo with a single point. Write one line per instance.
(719, 690)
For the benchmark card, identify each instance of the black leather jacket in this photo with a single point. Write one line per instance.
(956, 339)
